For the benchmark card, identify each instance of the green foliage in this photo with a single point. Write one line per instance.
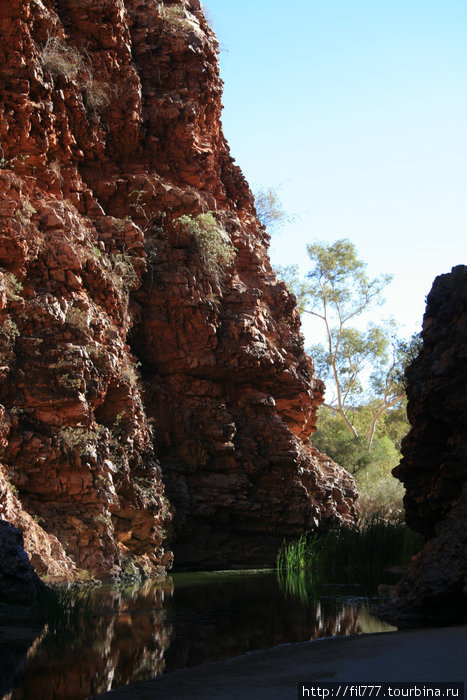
(394, 424)
(25, 211)
(269, 209)
(10, 330)
(408, 351)
(379, 492)
(214, 249)
(360, 367)
(85, 441)
(13, 288)
(333, 438)
(70, 383)
(105, 520)
(372, 544)
(299, 554)
(10, 162)
(339, 289)
(291, 276)
(353, 351)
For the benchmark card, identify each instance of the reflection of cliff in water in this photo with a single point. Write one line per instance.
(233, 613)
(125, 642)
(143, 631)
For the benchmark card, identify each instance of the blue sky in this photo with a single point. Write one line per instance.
(356, 110)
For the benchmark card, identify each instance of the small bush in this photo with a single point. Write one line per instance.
(96, 94)
(174, 17)
(214, 249)
(83, 440)
(12, 286)
(130, 373)
(78, 318)
(123, 272)
(25, 211)
(59, 58)
(269, 208)
(9, 330)
(10, 162)
(70, 383)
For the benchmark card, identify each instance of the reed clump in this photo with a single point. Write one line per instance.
(373, 543)
(68, 609)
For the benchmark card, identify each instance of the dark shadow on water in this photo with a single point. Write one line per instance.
(138, 632)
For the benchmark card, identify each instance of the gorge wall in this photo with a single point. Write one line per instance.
(154, 389)
(434, 464)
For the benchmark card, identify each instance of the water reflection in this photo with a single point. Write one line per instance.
(125, 642)
(143, 631)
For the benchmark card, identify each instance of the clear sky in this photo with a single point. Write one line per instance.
(356, 110)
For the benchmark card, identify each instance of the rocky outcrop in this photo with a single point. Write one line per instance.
(145, 341)
(19, 583)
(434, 465)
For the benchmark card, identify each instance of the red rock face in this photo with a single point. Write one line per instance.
(434, 467)
(138, 347)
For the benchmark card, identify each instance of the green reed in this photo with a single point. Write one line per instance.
(372, 543)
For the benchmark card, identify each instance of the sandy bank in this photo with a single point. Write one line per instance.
(410, 655)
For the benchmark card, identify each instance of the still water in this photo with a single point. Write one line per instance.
(186, 619)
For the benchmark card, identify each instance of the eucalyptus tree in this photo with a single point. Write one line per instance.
(360, 367)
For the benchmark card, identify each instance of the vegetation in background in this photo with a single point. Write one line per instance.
(362, 422)
(358, 365)
(269, 209)
(379, 491)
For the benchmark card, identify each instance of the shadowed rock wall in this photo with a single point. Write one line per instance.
(140, 352)
(434, 465)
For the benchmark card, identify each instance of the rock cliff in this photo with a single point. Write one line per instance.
(19, 583)
(434, 464)
(153, 383)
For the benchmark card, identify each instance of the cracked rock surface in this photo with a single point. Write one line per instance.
(154, 391)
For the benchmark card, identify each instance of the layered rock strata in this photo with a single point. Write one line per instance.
(434, 465)
(145, 341)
